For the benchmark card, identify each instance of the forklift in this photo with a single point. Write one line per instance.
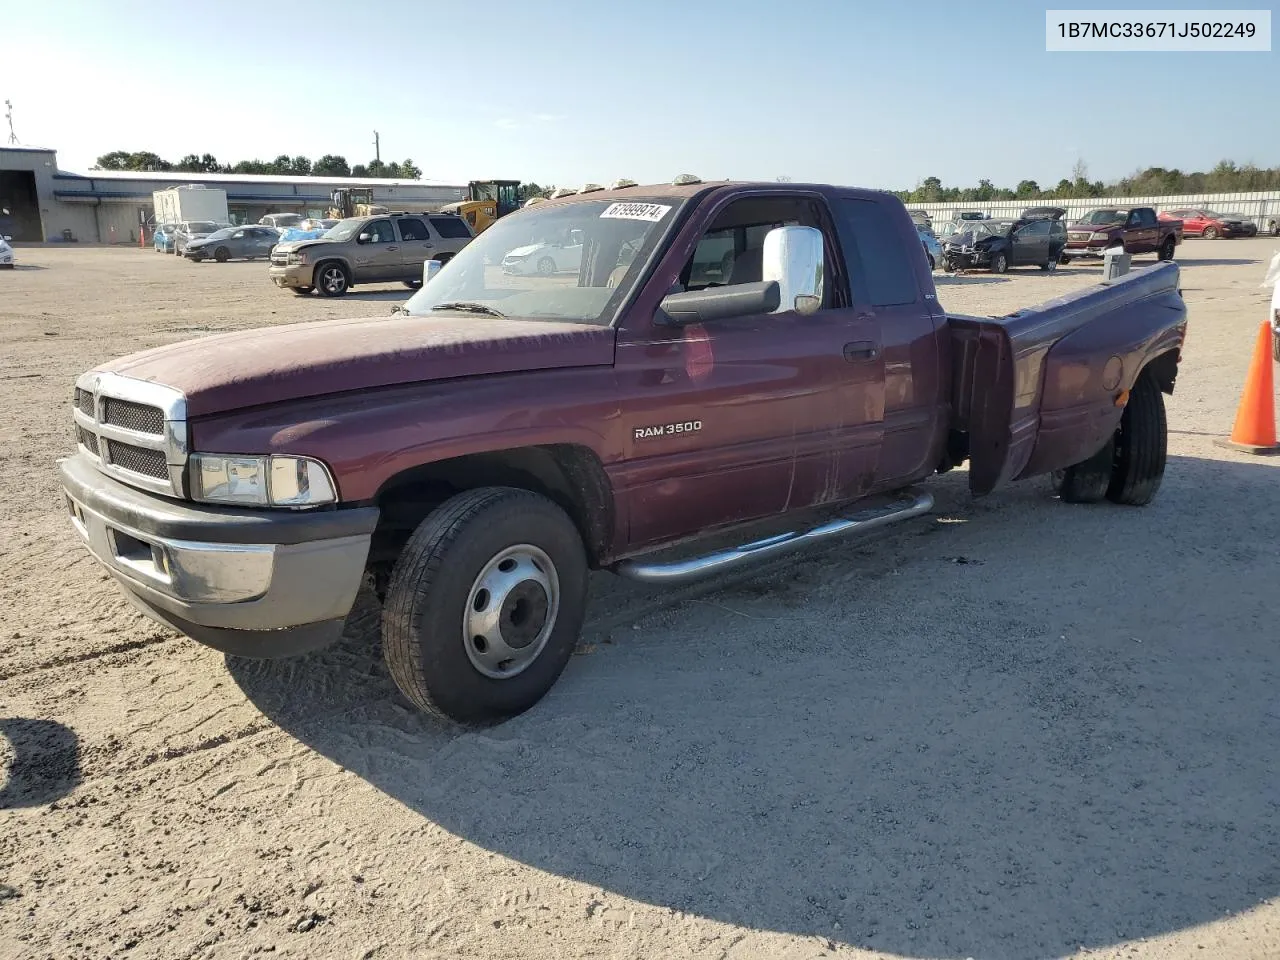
(353, 202)
(487, 200)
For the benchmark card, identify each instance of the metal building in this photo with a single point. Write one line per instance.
(108, 206)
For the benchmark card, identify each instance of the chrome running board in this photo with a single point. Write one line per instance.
(913, 504)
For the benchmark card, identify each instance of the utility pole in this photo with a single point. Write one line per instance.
(377, 147)
(8, 115)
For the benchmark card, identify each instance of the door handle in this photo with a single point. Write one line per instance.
(861, 351)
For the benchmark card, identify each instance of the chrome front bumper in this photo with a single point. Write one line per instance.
(257, 583)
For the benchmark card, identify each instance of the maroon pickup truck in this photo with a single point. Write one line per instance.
(1133, 229)
(720, 357)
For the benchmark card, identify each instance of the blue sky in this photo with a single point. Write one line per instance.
(561, 91)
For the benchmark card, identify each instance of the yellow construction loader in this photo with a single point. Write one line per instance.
(487, 200)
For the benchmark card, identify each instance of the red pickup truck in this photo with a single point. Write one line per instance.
(1135, 229)
(724, 356)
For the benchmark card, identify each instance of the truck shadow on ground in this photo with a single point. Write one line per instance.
(41, 764)
(954, 279)
(1014, 729)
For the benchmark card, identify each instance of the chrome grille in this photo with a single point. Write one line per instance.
(1076, 235)
(280, 259)
(132, 416)
(88, 439)
(141, 438)
(149, 463)
(84, 402)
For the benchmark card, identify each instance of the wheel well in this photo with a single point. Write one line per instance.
(569, 475)
(328, 260)
(1165, 369)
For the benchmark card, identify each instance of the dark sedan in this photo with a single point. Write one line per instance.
(234, 243)
(1035, 238)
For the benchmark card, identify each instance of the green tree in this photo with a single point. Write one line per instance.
(331, 165)
(115, 160)
(1027, 190)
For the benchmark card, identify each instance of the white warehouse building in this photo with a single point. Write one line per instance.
(109, 206)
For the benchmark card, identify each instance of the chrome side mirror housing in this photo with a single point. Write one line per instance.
(793, 258)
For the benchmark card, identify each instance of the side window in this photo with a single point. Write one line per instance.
(238, 235)
(1148, 217)
(1040, 229)
(731, 250)
(452, 228)
(879, 268)
(379, 231)
(411, 228)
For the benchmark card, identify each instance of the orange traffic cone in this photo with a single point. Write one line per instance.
(1255, 428)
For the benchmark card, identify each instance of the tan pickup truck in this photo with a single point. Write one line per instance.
(375, 249)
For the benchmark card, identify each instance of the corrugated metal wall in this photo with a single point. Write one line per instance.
(1263, 207)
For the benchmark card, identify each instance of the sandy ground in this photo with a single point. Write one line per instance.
(1017, 729)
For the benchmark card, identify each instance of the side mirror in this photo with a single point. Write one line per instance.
(793, 258)
(429, 269)
(363, 238)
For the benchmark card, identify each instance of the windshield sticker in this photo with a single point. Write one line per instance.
(652, 212)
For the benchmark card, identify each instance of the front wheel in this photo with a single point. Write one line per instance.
(302, 291)
(222, 255)
(1141, 445)
(412, 284)
(485, 604)
(1210, 233)
(999, 263)
(332, 279)
(546, 266)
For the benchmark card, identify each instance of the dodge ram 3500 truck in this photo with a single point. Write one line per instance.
(474, 455)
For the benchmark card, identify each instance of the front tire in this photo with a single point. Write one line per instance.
(222, 255)
(332, 279)
(485, 605)
(1210, 233)
(999, 263)
(1141, 445)
(412, 284)
(302, 291)
(546, 267)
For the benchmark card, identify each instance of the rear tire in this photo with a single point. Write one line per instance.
(1050, 266)
(1141, 445)
(412, 284)
(452, 624)
(1087, 481)
(1166, 249)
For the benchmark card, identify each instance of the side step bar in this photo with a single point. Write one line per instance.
(914, 504)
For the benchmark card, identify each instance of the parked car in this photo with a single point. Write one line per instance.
(7, 257)
(1210, 224)
(1134, 229)
(932, 248)
(194, 230)
(163, 239)
(1036, 238)
(561, 255)
(281, 220)
(475, 455)
(375, 249)
(233, 243)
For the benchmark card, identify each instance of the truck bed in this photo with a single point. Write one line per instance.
(1043, 388)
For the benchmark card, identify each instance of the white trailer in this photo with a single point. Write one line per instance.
(192, 202)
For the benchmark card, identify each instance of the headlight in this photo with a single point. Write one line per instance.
(1097, 236)
(261, 481)
(296, 258)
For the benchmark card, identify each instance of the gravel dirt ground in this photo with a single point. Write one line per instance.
(1017, 729)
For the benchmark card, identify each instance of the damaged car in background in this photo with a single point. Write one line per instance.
(1036, 238)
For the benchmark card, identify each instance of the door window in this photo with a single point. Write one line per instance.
(411, 228)
(379, 231)
(731, 251)
(879, 269)
(1146, 218)
(452, 228)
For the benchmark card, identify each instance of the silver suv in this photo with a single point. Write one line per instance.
(383, 248)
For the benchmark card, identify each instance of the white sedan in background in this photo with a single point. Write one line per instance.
(7, 259)
(544, 259)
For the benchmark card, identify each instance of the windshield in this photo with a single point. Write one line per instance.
(201, 226)
(1100, 217)
(986, 228)
(569, 261)
(344, 229)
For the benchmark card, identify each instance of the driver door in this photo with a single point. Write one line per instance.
(377, 257)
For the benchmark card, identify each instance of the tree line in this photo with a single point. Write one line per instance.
(1226, 177)
(330, 165)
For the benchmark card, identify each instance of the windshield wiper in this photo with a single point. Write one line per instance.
(469, 306)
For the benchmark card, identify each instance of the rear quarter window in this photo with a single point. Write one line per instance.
(451, 228)
(879, 268)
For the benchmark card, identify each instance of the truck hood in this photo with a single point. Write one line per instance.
(247, 368)
(289, 246)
